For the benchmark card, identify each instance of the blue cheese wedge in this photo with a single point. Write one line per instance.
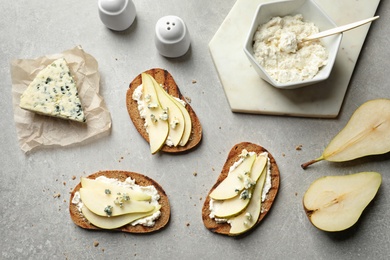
(54, 93)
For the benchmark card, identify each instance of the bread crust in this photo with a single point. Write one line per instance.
(224, 228)
(141, 180)
(165, 78)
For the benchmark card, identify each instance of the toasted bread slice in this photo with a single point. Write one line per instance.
(141, 180)
(165, 78)
(224, 228)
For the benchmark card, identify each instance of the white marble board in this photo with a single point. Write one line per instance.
(247, 93)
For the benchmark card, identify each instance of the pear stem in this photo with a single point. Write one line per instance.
(307, 164)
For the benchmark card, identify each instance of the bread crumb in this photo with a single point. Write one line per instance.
(193, 81)
(64, 183)
(188, 224)
(57, 195)
(298, 147)
(188, 99)
(283, 154)
(73, 177)
(95, 243)
(195, 174)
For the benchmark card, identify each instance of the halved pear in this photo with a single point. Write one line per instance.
(232, 185)
(175, 116)
(248, 218)
(366, 133)
(335, 203)
(101, 187)
(157, 128)
(98, 203)
(115, 222)
(234, 206)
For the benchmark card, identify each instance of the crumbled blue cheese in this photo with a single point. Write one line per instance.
(174, 123)
(121, 198)
(245, 194)
(53, 92)
(153, 118)
(108, 210)
(164, 116)
(248, 183)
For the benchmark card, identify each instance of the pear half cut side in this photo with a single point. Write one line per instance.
(366, 133)
(335, 203)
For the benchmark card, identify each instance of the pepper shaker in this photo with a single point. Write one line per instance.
(117, 15)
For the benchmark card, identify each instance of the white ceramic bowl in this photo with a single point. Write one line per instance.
(311, 12)
(118, 15)
(171, 38)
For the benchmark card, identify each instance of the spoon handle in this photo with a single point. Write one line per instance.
(339, 29)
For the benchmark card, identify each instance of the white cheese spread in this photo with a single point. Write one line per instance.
(244, 154)
(77, 201)
(278, 48)
(130, 184)
(267, 184)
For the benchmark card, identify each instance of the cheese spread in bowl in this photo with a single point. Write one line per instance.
(274, 44)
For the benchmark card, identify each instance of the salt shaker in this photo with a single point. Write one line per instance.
(117, 15)
(171, 36)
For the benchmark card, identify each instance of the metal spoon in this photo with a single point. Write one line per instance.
(338, 29)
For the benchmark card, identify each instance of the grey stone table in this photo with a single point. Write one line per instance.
(34, 187)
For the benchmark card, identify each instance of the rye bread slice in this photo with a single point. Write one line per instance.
(165, 78)
(141, 180)
(224, 228)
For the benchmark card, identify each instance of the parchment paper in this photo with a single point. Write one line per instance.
(36, 130)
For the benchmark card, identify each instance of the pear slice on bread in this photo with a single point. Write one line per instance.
(261, 193)
(85, 217)
(153, 103)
